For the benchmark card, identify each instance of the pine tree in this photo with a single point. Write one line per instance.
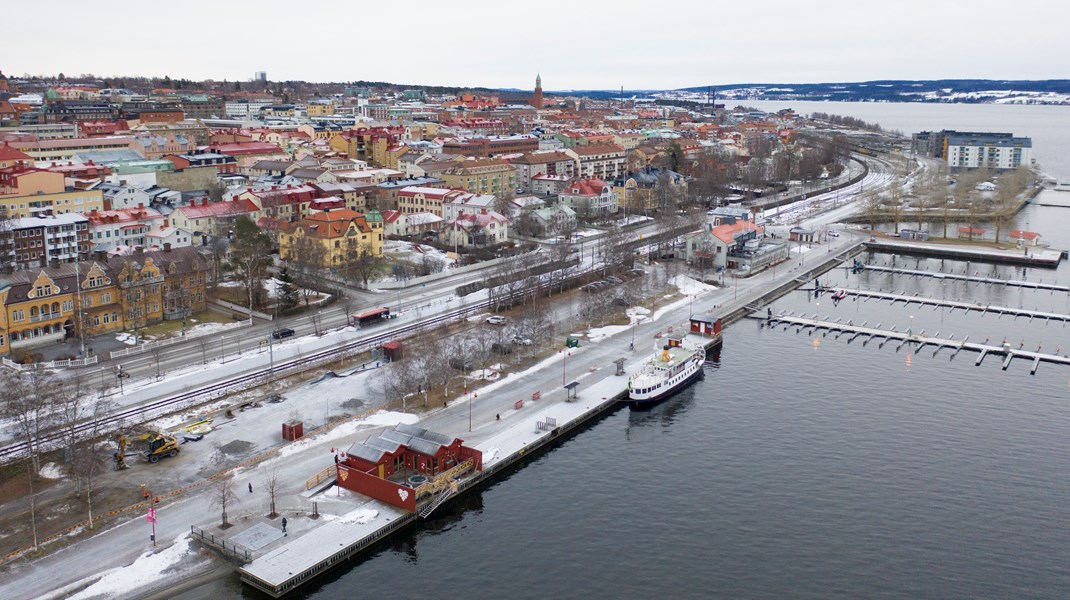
(286, 295)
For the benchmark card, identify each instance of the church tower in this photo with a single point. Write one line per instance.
(536, 100)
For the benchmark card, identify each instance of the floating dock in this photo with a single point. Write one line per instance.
(313, 553)
(969, 278)
(1034, 257)
(952, 305)
(915, 342)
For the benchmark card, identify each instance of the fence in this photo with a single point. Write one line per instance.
(52, 364)
(174, 340)
(231, 549)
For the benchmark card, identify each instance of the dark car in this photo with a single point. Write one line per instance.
(282, 332)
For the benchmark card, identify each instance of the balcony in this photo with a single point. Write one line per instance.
(45, 317)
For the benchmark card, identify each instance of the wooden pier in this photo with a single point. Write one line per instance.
(914, 342)
(1039, 257)
(970, 278)
(952, 305)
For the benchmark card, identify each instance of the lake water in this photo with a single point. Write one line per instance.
(800, 467)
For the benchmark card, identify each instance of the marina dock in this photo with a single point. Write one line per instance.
(914, 342)
(302, 558)
(1032, 257)
(1021, 283)
(952, 305)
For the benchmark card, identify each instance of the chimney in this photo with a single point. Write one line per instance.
(165, 222)
(141, 205)
(139, 251)
(101, 255)
(53, 263)
(167, 246)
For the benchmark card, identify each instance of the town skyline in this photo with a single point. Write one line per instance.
(826, 43)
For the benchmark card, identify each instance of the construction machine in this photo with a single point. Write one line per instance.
(157, 445)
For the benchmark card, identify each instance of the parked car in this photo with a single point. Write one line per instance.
(522, 341)
(282, 332)
(614, 279)
(637, 272)
(833, 233)
(496, 320)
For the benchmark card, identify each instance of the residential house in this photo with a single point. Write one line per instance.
(339, 233)
(213, 218)
(482, 176)
(600, 161)
(33, 242)
(397, 223)
(542, 163)
(553, 220)
(590, 198)
(480, 230)
(109, 229)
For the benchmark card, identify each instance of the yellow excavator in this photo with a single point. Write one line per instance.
(157, 446)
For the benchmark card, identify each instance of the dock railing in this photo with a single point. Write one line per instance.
(318, 478)
(219, 543)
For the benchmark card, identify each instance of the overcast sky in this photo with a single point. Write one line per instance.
(574, 44)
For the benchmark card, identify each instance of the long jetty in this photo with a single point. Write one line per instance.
(955, 304)
(1040, 257)
(969, 278)
(915, 342)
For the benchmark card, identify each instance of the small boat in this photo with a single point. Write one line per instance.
(670, 369)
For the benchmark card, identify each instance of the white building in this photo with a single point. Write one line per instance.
(992, 151)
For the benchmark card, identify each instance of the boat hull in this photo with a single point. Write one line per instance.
(641, 403)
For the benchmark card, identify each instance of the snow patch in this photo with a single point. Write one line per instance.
(361, 516)
(490, 455)
(147, 569)
(51, 471)
(598, 333)
(382, 418)
(690, 286)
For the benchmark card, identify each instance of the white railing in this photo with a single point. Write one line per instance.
(138, 349)
(52, 364)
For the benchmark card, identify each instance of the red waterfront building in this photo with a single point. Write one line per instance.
(406, 464)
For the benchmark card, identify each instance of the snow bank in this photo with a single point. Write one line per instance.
(51, 471)
(489, 455)
(488, 374)
(597, 333)
(146, 570)
(689, 286)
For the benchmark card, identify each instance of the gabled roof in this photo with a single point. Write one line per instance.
(218, 209)
(9, 153)
(586, 187)
(334, 223)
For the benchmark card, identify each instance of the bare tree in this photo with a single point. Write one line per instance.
(307, 257)
(315, 318)
(362, 262)
(222, 495)
(26, 400)
(271, 484)
(87, 465)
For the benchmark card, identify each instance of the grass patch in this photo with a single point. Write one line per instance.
(166, 329)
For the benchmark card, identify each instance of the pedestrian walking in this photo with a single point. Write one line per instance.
(284, 525)
(250, 487)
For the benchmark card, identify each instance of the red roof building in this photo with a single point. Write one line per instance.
(407, 465)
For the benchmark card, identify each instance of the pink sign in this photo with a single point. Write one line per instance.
(150, 517)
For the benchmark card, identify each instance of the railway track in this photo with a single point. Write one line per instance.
(163, 406)
(155, 409)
